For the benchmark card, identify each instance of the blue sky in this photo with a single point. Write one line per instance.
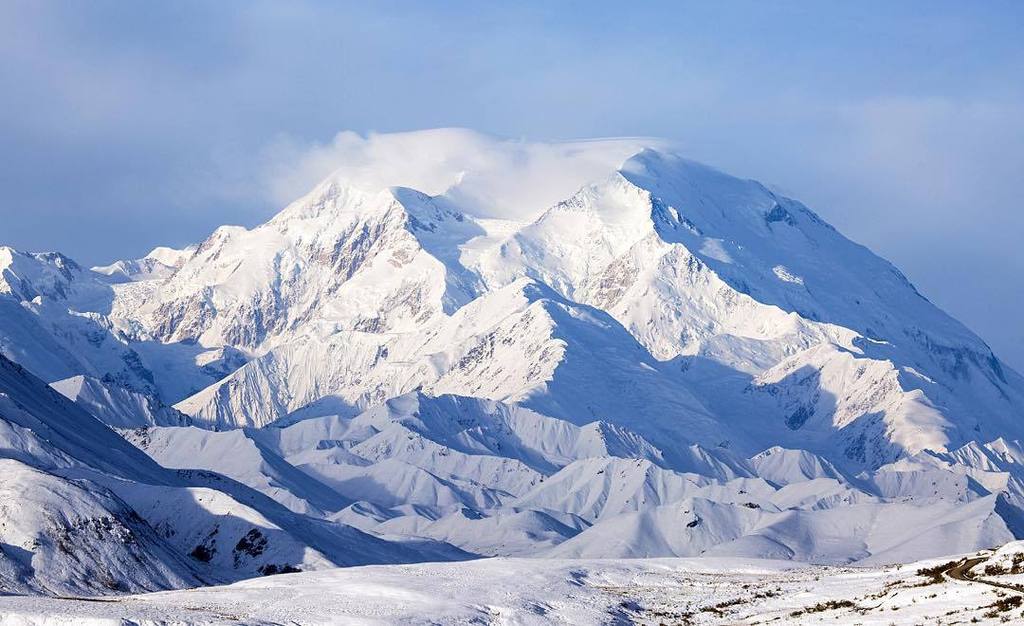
(125, 125)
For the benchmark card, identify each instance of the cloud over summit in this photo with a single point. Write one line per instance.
(484, 175)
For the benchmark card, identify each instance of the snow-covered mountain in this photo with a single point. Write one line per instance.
(665, 361)
(60, 320)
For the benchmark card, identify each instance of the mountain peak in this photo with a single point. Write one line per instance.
(649, 350)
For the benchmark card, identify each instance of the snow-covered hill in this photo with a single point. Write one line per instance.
(660, 360)
(85, 512)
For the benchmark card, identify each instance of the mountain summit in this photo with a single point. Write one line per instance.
(500, 348)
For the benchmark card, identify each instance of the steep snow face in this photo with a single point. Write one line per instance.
(870, 410)
(521, 343)
(119, 407)
(782, 254)
(62, 532)
(28, 404)
(27, 276)
(618, 247)
(374, 262)
(827, 391)
(576, 238)
(359, 292)
(730, 275)
(59, 536)
(51, 320)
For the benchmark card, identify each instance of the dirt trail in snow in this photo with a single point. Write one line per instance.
(961, 572)
(85, 599)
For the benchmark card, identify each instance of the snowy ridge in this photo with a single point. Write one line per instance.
(159, 264)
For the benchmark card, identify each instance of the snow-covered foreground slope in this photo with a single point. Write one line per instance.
(524, 591)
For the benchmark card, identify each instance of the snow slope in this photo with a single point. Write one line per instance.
(741, 293)
(524, 591)
(117, 406)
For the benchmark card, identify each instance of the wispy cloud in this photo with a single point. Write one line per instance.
(485, 175)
